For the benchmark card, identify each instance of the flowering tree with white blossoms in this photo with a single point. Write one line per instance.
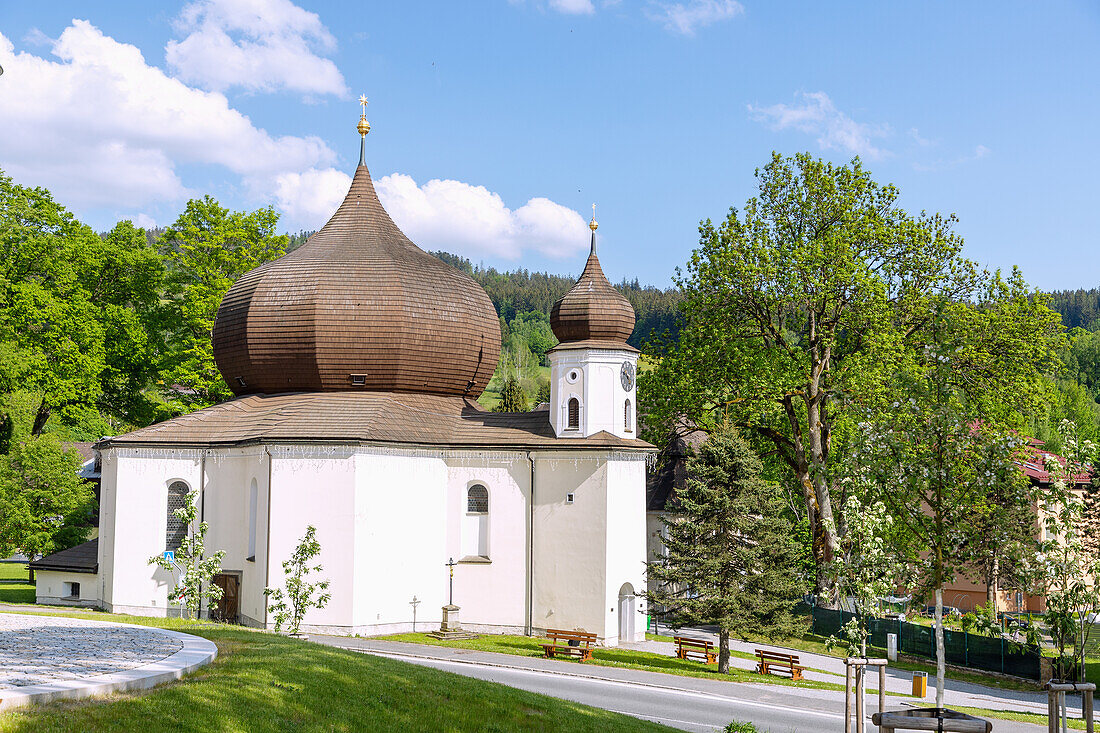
(1067, 562)
(193, 583)
(866, 568)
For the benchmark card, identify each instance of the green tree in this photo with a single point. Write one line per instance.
(44, 505)
(731, 558)
(290, 607)
(192, 571)
(512, 397)
(931, 459)
(800, 309)
(207, 249)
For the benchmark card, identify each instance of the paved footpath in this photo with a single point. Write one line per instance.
(688, 703)
(45, 657)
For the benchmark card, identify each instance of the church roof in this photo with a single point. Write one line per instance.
(592, 310)
(368, 417)
(358, 307)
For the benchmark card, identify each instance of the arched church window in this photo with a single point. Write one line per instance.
(176, 528)
(477, 499)
(574, 413)
(475, 525)
(626, 416)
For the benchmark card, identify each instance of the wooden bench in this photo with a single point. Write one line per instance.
(701, 649)
(559, 643)
(776, 662)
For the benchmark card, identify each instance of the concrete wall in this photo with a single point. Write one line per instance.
(51, 586)
(133, 521)
(387, 520)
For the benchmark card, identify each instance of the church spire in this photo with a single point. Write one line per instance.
(364, 128)
(593, 226)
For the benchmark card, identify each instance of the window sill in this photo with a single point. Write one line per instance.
(475, 560)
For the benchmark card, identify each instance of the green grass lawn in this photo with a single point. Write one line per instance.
(14, 586)
(525, 646)
(266, 682)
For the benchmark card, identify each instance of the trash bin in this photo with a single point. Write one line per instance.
(920, 684)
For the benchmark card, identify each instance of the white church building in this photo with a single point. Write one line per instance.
(356, 361)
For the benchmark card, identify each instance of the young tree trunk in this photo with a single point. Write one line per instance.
(723, 651)
(940, 671)
(30, 573)
(991, 583)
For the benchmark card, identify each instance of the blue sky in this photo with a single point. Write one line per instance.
(496, 124)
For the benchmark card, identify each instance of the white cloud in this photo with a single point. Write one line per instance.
(444, 214)
(99, 126)
(817, 115)
(573, 7)
(686, 17)
(258, 45)
(145, 221)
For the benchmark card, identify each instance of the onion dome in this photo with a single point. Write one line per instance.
(592, 310)
(357, 307)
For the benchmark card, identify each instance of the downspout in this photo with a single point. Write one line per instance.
(529, 629)
(267, 534)
(202, 509)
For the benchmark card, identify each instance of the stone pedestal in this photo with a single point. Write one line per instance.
(450, 628)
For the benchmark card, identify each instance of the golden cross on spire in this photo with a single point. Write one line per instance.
(592, 224)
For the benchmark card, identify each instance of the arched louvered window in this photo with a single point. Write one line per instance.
(477, 499)
(475, 525)
(176, 528)
(574, 414)
(626, 417)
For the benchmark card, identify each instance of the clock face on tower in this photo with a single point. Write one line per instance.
(627, 376)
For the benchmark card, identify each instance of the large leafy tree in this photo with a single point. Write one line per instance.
(207, 249)
(801, 309)
(44, 505)
(731, 558)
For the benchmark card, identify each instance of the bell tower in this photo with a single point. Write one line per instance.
(593, 370)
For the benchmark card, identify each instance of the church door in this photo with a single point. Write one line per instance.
(626, 613)
(228, 606)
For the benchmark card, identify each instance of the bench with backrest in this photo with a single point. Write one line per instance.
(701, 649)
(560, 643)
(777, 662)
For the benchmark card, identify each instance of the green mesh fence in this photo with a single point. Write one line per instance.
(965, 650)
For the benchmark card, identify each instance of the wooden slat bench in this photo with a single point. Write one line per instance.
(776, 662)
(559, 643)
(701, 649)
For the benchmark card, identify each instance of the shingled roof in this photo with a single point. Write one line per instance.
(83, 558)
(357, 307)
(363, 417)
(592, 310)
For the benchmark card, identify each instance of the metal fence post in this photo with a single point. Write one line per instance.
(1002, 655)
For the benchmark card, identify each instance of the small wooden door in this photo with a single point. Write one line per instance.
(229, 606)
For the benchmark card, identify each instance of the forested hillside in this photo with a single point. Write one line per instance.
(1079, 308)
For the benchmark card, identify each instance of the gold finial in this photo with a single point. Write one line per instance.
(363, 126)
(592, 224)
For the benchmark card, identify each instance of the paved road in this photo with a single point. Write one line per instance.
(687, 703)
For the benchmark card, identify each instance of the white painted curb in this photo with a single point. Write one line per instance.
(195, 653)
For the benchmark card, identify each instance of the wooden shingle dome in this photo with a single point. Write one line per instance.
(592, 310)
(357, 307)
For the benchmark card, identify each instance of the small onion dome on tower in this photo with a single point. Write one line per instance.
(357, 307)
(592, 310)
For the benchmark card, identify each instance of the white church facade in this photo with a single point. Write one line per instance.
(357, 360)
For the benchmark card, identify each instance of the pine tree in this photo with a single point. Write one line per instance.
(732, 560)
(512, 397)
